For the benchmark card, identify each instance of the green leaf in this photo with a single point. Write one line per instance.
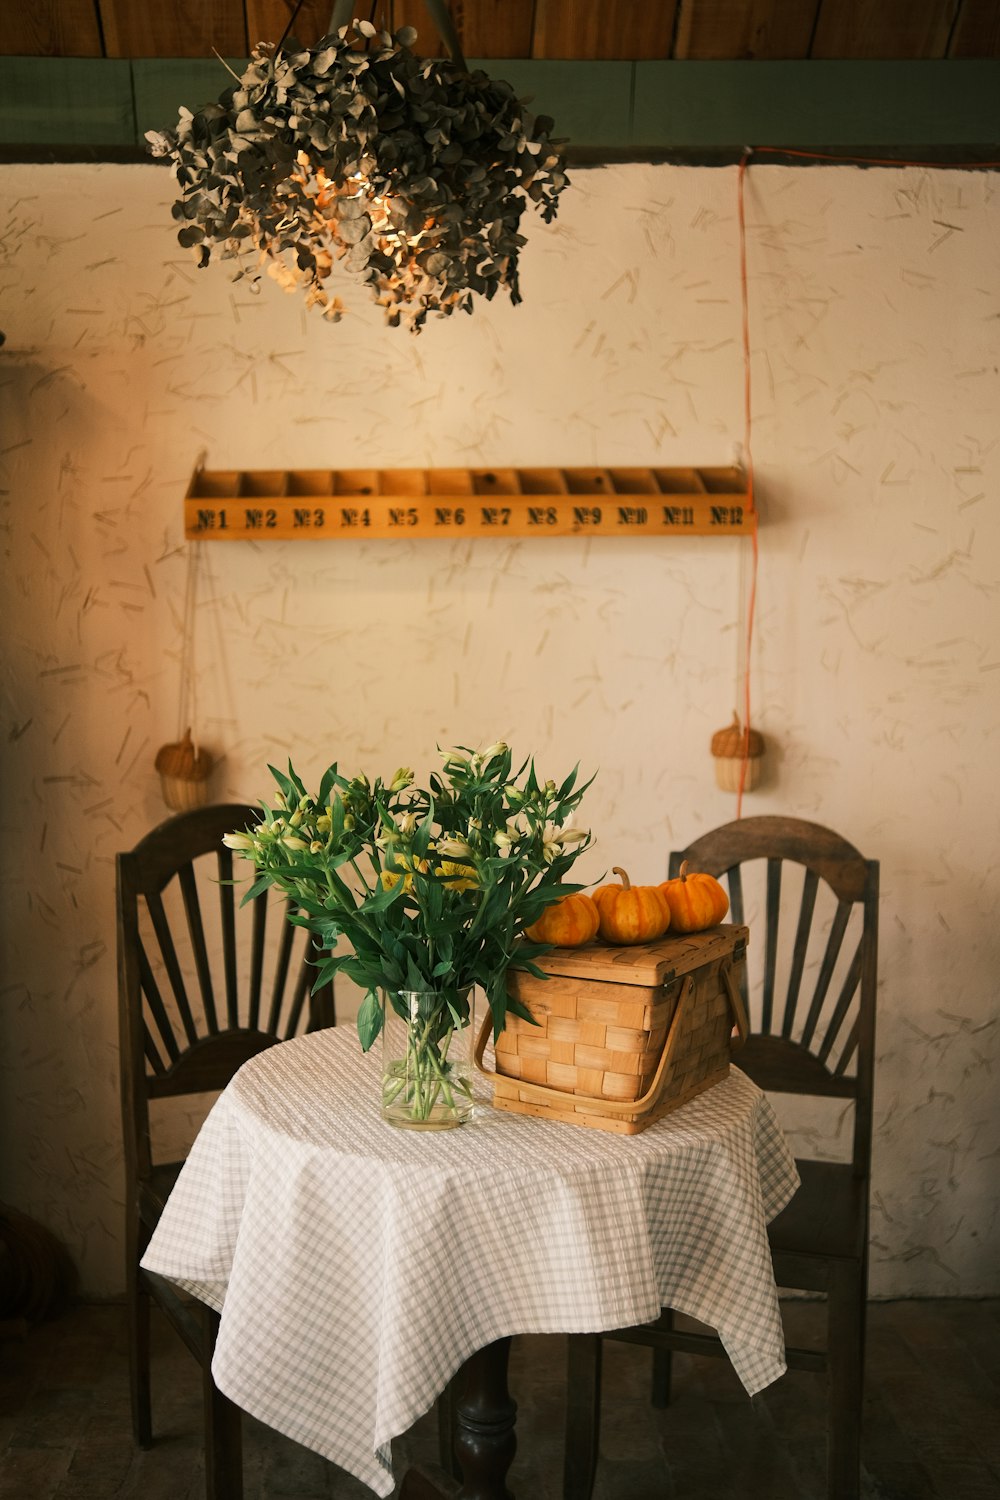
(261, 884)
(327, 784)
(369, 1020)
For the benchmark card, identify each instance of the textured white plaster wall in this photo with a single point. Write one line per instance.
(875, 313)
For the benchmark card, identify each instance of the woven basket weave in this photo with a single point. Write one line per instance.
(624, 1035)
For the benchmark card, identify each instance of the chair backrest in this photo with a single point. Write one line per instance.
(200, 988)
(812, 1011)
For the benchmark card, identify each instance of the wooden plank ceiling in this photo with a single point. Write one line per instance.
(572, 29)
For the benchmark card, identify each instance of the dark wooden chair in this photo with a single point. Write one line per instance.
(811, 902)
(201, 990)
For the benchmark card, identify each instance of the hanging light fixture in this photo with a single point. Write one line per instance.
(409, 173)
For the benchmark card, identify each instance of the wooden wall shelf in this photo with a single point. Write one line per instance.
(279, 505)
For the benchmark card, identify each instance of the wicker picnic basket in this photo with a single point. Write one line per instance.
(624, 1035)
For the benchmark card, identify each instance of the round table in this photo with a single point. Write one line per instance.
(357, 1267)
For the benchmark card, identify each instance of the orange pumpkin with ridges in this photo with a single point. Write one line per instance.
(631, 913)
(695, 901)
(568, 923)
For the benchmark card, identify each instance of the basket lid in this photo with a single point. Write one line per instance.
(646, 963)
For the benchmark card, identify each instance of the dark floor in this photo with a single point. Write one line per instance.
(932, 1423)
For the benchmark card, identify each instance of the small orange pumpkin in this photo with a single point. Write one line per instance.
(631, 913)
(568, 923)
(695, 901)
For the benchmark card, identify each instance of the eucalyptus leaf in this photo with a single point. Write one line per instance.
(354, 228)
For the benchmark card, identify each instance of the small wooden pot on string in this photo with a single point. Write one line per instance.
(730, 747)
(184, 771)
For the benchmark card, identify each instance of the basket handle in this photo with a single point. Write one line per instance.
(543, 1093)
(739, 1010)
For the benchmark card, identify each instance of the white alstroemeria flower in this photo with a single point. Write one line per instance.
(406, 823)
(324, 824)
(456, 846)
(502, 840)
(571, 835)
(291, 842)
(243, 843)
(500, 748)
(295, 820)
(554, 841)
(402, 779)
(315, 847)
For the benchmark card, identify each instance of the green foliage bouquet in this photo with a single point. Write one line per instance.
(432, 887)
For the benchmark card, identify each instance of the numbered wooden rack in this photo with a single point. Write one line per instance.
(279, 505)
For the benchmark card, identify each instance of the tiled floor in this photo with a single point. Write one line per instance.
(932, 1425)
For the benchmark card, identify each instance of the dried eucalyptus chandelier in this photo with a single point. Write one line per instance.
(410, 173)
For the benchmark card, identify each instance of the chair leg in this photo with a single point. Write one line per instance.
(583, 1414)
(138, 1308)
(846, 1313)
(663, 1360)
(223, 1429)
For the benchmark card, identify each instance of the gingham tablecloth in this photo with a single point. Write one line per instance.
(356, 1266)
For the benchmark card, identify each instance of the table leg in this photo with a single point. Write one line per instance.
(485, 1442)
(484, 1433)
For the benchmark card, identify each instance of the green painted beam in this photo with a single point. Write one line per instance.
(163, 84)
(66, 101)
(702, 104)
(67, 106)
(591, 102)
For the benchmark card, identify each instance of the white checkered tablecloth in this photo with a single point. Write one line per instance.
(356, 1266)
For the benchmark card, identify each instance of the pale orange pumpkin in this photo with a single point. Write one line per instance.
(695, 901)
(568, 923)
(631, 913)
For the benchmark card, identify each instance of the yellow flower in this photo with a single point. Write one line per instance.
(391, 878)
(466, 876)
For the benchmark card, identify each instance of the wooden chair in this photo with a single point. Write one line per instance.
(812, 1016)
(200, 992)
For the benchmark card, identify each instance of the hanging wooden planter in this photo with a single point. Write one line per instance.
(730, 747)
(317, 504)
(184, 771)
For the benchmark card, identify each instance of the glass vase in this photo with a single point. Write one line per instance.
(428, 1043)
